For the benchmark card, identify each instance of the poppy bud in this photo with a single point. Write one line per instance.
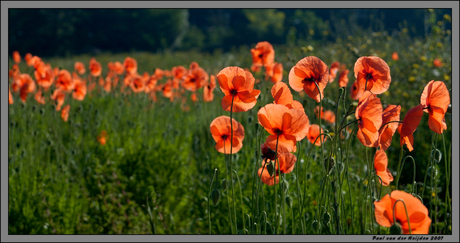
(42, 111)
(271, 168)
(224, 184)
(257, 126)
(308, 176)
(449, 109)
(396, 229)
(432, 171)
(250, 119)
(215, 196)
(288, 201)
(437, 155)
(314, 225)
(329, 163)
(304, 103)
(34, 107)
(18, 145)
(326, 217)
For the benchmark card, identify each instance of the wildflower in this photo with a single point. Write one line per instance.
(79, 91)
(306, 73)
(410, 124)
(263, 54)
(313, 132)
(208, 89)
(354, 91)
(10, 97)
(374, 72)
(130, 65)
(44, 75)
(95, 67)
(343, 78)
(102, 137)
(286, 164)
(369, 113)
(238, 87)
(395, 56)
(386, 132)
(221, 132)
(333, 71)
(286, 126)
(413, 211)
(80, 68)
(65, 113)
(437, 62)
(435, 100)
(59, 97)
(64, 81)
(380, 166)
(16, 57)
(39, 97)
(195, 78)
(178, 72)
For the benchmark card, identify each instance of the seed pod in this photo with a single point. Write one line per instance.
(396, 229)
(314, 225)
(224, 184)
(215, 196)
(271, 168)
(326, 217)
(288, 201)
(250, 119)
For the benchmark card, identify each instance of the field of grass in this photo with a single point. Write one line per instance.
(156, 172)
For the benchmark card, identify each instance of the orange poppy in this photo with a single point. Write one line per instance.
(296, 105)
(39, 97)
(137, 83)
(34, 60)
(313, 132)
(386, 132)
(130, 65)
(333, 71)
(408, 140)
(208, 89)
(117, 68)
(102, 137)
(80, 67)
(65, 113)
(194, 65)
(178, 72)
(108, 84)
(27, 58)
(416, 211)
(263, 54)
(20, 80)
(380, 166)
(64, 81)
(16, 57)
(285, 125)
(354, 91)
(101, 81)
(151, 83)
(91, 87)
(256, 68)
(277, 73)
(167, 73)
(95, 67)
(318, 113)
(79, 91)
(10, 97)
(375, 72)
(167, 89)
(14, 72)
(395, 56)
(286, 163)
(329, 116)
(159, 73)
(28, 86)
(282, 94)
(194, 79)
(435, 99)
(410, 123)
(221, 132)
(44, 75)
(237, 85)
(306, 73)
(194, 97)
(343, 78)
(369, 113)
(59, 97)
(437, 62)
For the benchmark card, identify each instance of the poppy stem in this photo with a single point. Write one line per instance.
(231, 166)
(274, 183)
(228, 199)
(399, 166)
(447, 175)
(209, 197)
(388, 123)
(402, 166)
(407, 215)
(320, 127)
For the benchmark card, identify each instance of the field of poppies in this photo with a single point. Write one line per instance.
(352, 137)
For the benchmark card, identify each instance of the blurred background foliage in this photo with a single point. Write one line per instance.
(50, 32)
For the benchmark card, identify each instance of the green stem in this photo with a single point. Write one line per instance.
(209, 197)
(231, 164)
(274, 181)
(399, 166)
(241, 199)
(407, 215)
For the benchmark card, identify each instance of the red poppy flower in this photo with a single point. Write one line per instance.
(408, 140)
(333, 71)
(343, 78)
(410, 123)
(159, 73)
(108, 84)
(39, 97)
(151, 83)
(238, 85)
(130, 65)
(354, 91)
(395, 56)
(102, 137)
(386, 132)
(79, 91)
(286, 164)
(137, 83)
(44, 75)
(263, 54)
(369, 113)
(329, 116)
(10, 97)
(117, 68)
(64, 81)
(195, 78)
(27, 58)
(178, 72)
(14, 72)
(375, 71)
(313, 132)
(380, 166)
(80, 67)
(417, 212)
(95, 67)
(282, 94)
(306, 73)
(59, 97)
(193, 97)
(435, 99)
(221, 132)
(286, 125)
(208, 90)
(16, 57)
(65, 113)
(437, 62)
(28, 86)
